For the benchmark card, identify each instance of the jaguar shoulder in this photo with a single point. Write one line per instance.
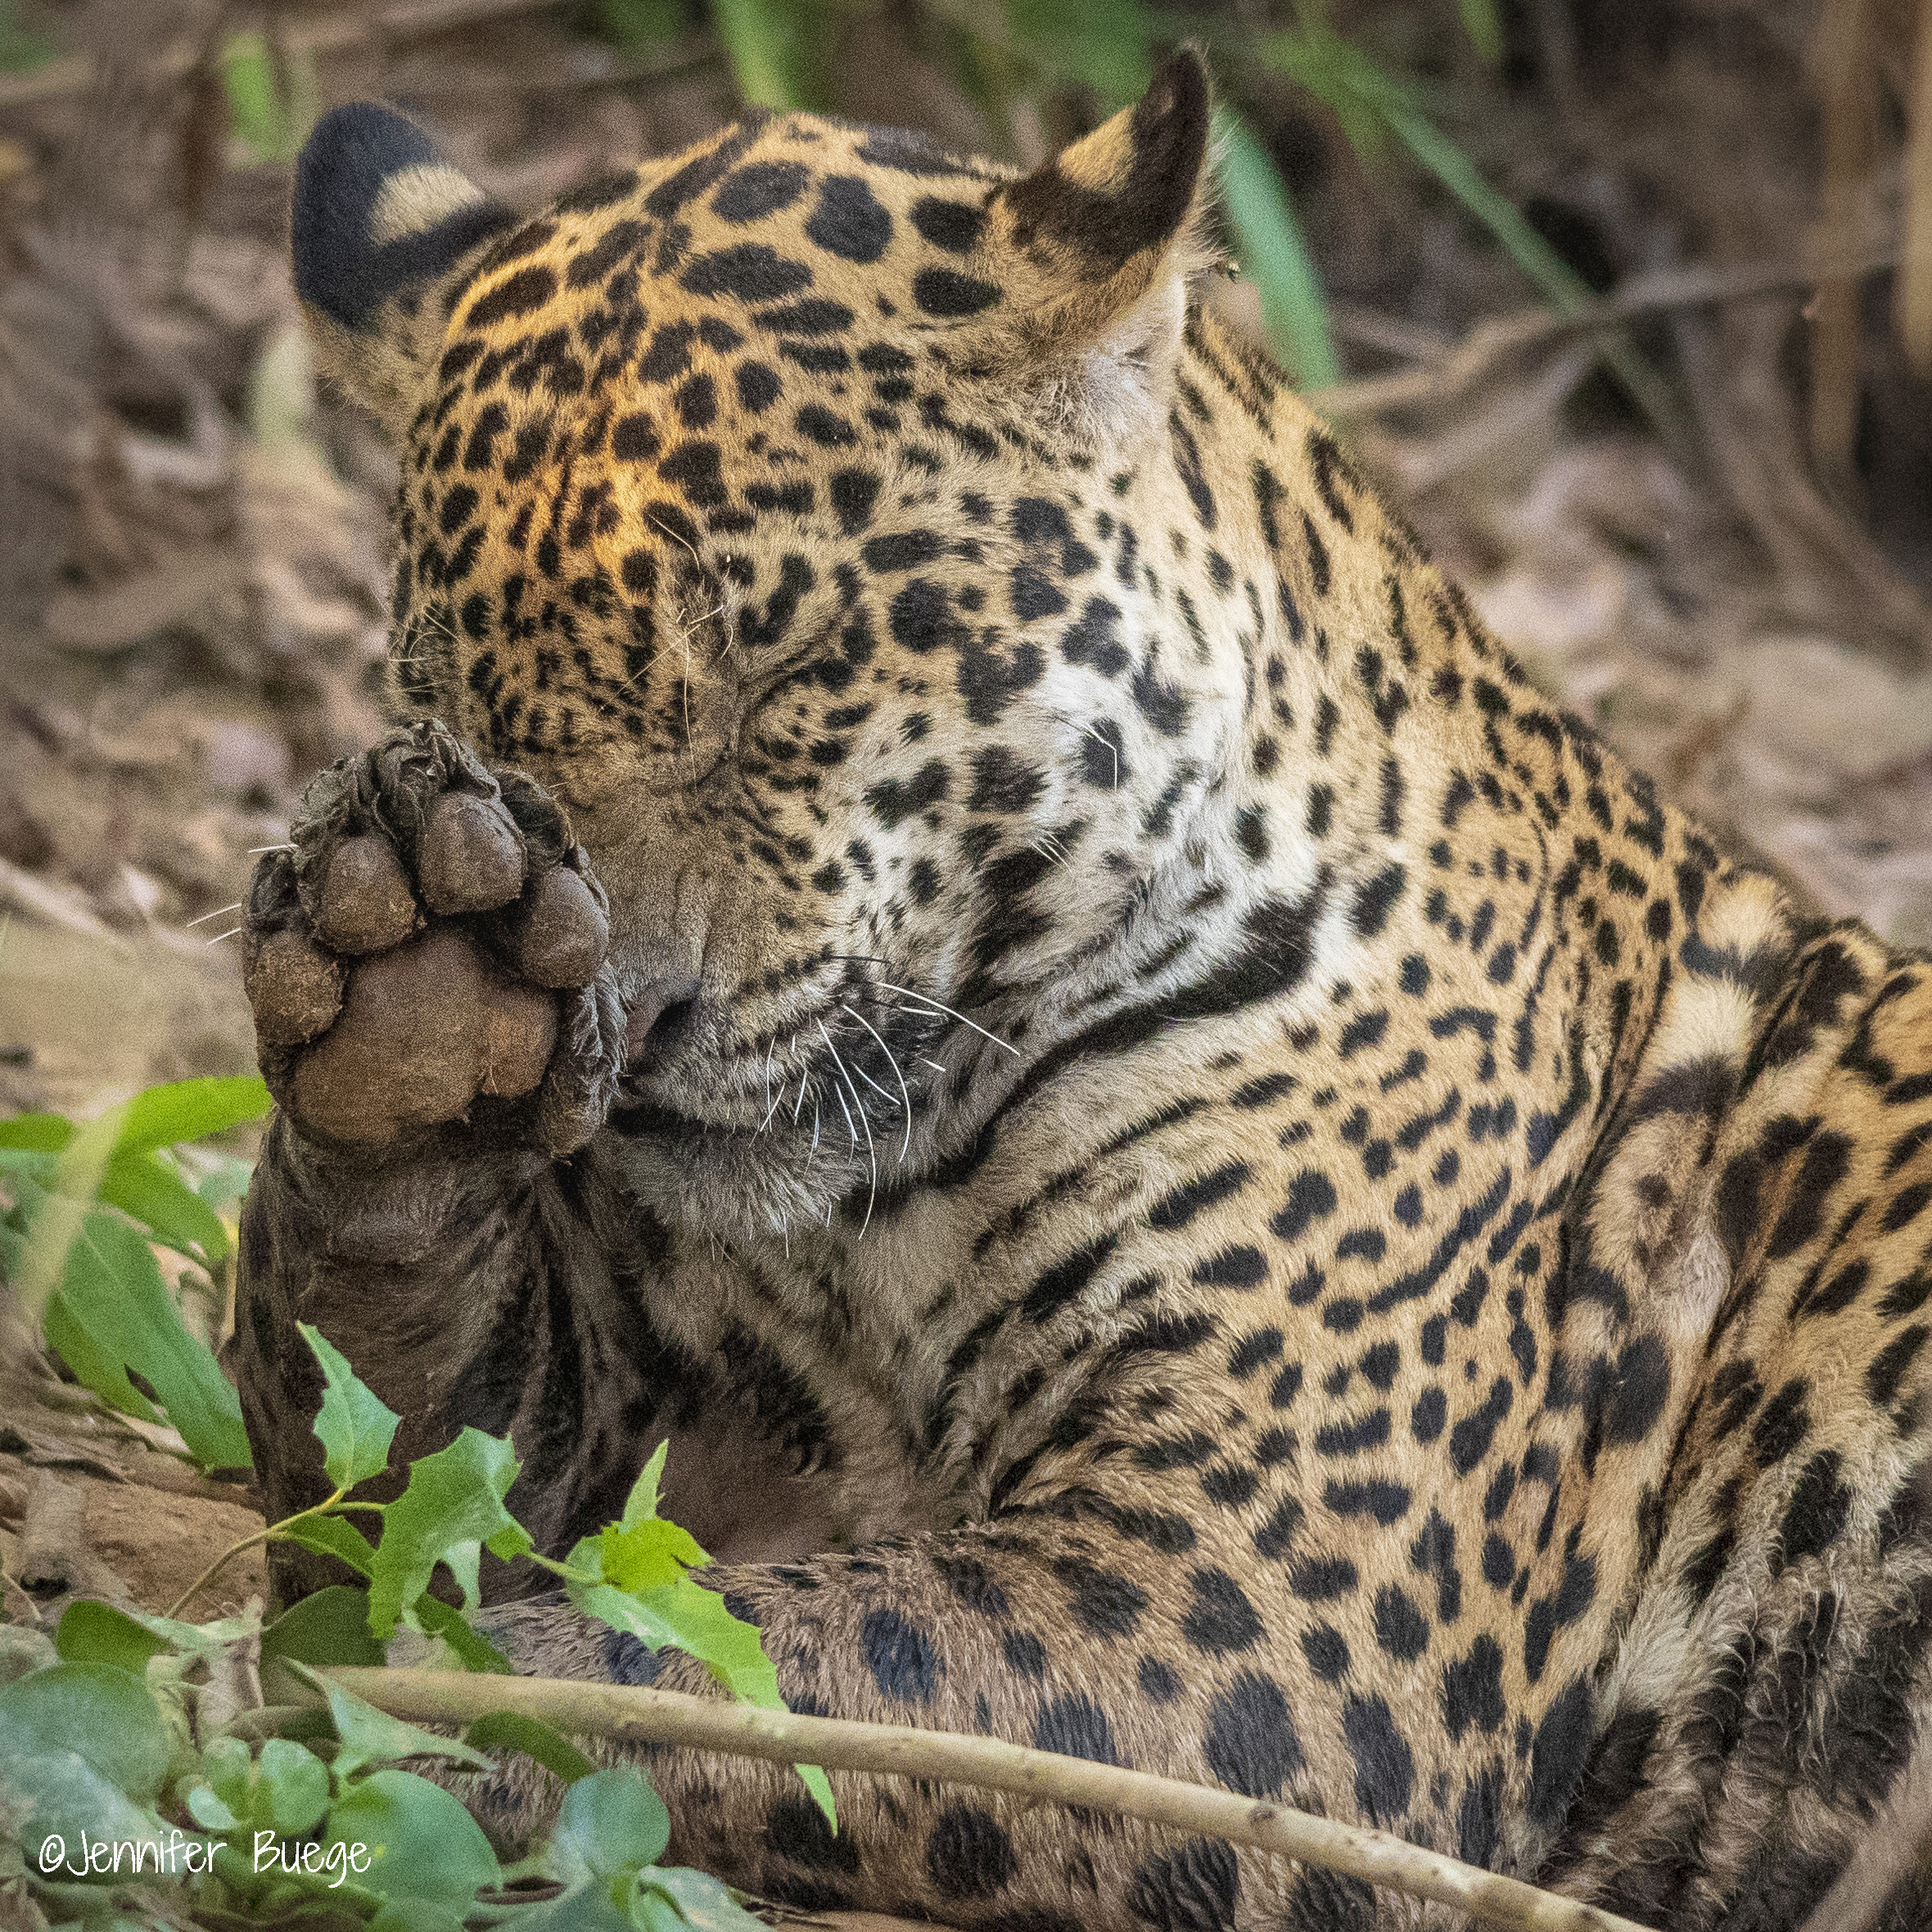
(1287, 1221)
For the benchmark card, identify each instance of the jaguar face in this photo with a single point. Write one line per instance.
(786, 508)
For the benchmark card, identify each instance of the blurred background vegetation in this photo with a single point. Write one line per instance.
(1629, 301)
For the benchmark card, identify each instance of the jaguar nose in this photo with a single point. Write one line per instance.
(655, 1010)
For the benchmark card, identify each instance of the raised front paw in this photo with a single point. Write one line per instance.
(428, 949)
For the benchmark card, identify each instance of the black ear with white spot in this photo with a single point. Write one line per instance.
(1092, 251)
(380, 222)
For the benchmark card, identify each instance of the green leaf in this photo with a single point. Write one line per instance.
(1484, 27)
(423, 1843)
(1273, 254)
(655, 1911)
(355, 1425)
(780, 50)
(453, 1507)
(584, 1907)
(511, 1730)
(334, 1535)
(190, 1110)
(210, 1810)
(702, 1900)
(145, 1187)
(423, 1915)
(474, 1650)
(112, 1312)
(612, 1822)
(642, 1502)
(50, 1789)
(37, 1133)
(1102, 43)
(98, 1633)
(693, 1618)
(100, 1713)
(370, 1737)
(638, 25)
(332, 1627)
(292, 1788)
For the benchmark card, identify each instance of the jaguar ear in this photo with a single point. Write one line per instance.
(382, 226)
(1092, 252)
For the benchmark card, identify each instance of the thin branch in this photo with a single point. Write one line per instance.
(1461, 366)
(637, 1716)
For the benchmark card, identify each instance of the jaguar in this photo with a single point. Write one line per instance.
(956, 920)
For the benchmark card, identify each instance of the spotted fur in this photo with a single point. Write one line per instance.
(1282, 1219)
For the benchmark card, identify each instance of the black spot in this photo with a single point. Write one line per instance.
(634, 439)
(945, 291)
(757, 189)
(1025, 1653)
(529, 288)
(1233, 1267)
(796, 1828)
(904, 1663)
(1310, 1197)
(1192, 1889)
(853, 493)
(1249, 1741)
(968, 1855)
(1384, 1768)
(1887, 1368)
(901, 550)
(826, 427)
(1469, 1440)
(750, 271)
(953, 226)
(1401, 1629)
(1557, 1756)
(1075, 1728)
(1472, 1689)
(1820, 1507)
(1374, 900)
(1640, 1386)
(1785, 1423)
(849, 221)
(1108, 1605)
(1221, 1619)
(1160, 1680)
(758, 386)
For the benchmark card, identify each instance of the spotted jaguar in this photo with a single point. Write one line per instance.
(957, 920)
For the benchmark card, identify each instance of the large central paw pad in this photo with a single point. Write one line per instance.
(432, 938)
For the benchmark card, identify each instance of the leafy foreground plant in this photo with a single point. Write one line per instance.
(136, 1787)
(82, 1208)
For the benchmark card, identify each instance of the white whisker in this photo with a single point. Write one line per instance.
(218, 910)
(950, 1012)
(933, 1064)
(229, 934)
(904, 1091)
(804, 1080)
(256, 852)
(871, 1153)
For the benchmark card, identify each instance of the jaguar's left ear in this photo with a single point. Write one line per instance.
(383, 226)
(1092, 251)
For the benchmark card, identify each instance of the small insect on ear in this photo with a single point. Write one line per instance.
(382, 226)
(1094, 249)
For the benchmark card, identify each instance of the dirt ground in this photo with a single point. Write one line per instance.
(191, 575)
